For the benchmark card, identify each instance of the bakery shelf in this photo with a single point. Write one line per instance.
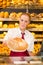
(9, 19)
(4, 29)
(35, 40)
(1, 40)
(6, 19)
(36, 20)
(36, 29)
(38, 36)
(25, 6)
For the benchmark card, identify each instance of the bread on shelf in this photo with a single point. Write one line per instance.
(1, 14)
(13, 16)
(6, 15)
(11, 26)
(5, 26)
(37, 48)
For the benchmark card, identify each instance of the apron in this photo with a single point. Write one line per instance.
(25, 53)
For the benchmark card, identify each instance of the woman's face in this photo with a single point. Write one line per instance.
(24, 21)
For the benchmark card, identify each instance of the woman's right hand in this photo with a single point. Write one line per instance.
(4, 43)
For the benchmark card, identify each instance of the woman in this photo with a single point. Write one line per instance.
(21, 32)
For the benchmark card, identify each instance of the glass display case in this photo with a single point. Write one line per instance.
(36, 60)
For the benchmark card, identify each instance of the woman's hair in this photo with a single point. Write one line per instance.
(27, 14)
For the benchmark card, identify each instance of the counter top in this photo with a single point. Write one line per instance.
(36, 60)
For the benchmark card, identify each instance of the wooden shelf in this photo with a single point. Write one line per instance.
(36, 29)
(4, 29)
(8, 19)
(1, 40)
(37, 20)
(36, 40)
(24, 6)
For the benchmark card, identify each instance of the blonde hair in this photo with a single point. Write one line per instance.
(27, 14)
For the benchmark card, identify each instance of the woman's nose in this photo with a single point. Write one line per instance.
(23, 22)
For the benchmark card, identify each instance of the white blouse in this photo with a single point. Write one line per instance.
(16, 32)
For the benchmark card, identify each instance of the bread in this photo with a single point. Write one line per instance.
(41, 2)
(18, 15)
(11, 26)
(1, 0)
(4, 6)
(1, 24)
(1, 14)
(1, 3)
(4, 2)
(6, 15)
(33, 14)
(13, 15)
(5, 26)
(16, 25)
(8, 3)
(17, 44)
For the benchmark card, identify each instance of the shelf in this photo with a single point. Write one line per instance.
(8, 19)
(40, 40)
(36, 29)
(1, 40)
(25, 6)
(37, 20)
(35, 40)
(4, 29)
(38, 36)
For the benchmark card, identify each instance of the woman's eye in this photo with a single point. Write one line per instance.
(26, 21)
(21, 19)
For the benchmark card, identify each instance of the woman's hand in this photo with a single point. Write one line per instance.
(31, 54)
(4, 43)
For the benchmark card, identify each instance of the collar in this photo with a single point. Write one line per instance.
(21, 31)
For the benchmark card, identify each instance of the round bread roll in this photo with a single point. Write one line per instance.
(6, 15)
(18, 15)
(12, 15)
(8, 3)
(1, 4)
(5, 25)
(2, 14)
(17, 44)
(11, 26)
(1, 0)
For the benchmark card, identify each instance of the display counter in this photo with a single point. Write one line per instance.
(36, 60)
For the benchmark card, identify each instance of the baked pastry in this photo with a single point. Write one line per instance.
(5, 26)
(4, 6)
(17, 44)
(11, 26)
(13, 15)
(8, 3)
(1, 14)
(1, 0)
(16, 25)
(1, 3)
(6, 15)
(40, 2)
(18, 15)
